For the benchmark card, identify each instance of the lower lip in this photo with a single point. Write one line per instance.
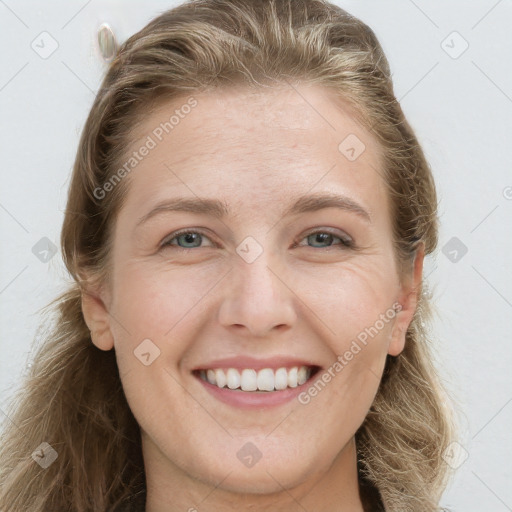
(253, 399)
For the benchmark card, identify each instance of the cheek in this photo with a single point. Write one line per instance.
(350, 298)
(354, 306)
(155, 303)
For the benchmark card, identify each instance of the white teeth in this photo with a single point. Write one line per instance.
(266, 380)
(220, 378)
(292, 377)
(281, 379)
(302, 375)
(210, 376)
(233, 378)
(263, 380)
(249, 380)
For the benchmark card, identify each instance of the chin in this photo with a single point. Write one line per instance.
(264, 477)
(262, 483)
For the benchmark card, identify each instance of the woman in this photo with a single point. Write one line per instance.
(246, 225)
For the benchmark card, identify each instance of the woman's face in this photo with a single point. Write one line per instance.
(265, 279)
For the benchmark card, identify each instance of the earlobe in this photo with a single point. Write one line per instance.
(98, 321)
(397, 343)
(408, 301)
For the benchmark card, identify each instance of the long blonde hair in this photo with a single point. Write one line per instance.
(73, 398)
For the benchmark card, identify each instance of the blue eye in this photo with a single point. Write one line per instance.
(327, 237)
(189, 239)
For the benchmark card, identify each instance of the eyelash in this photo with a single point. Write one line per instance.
(346, 243)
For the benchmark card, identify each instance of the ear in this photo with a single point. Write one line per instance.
(408, 300)
(97, 319)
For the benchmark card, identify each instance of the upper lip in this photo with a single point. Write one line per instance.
(247, 362)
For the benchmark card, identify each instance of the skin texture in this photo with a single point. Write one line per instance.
(306, 297)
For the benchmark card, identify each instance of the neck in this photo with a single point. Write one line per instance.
(169, 489)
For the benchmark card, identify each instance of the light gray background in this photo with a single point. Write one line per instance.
(460, 107)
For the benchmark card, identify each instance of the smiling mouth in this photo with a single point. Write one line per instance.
(252, 381)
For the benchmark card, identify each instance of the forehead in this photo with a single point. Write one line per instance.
(255, 146)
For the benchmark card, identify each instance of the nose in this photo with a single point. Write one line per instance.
(259, 299)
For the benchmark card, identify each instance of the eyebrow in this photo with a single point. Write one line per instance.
(219, 209)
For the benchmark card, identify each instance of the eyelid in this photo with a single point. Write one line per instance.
(175, 234)
(333, 231)
(345, 238)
